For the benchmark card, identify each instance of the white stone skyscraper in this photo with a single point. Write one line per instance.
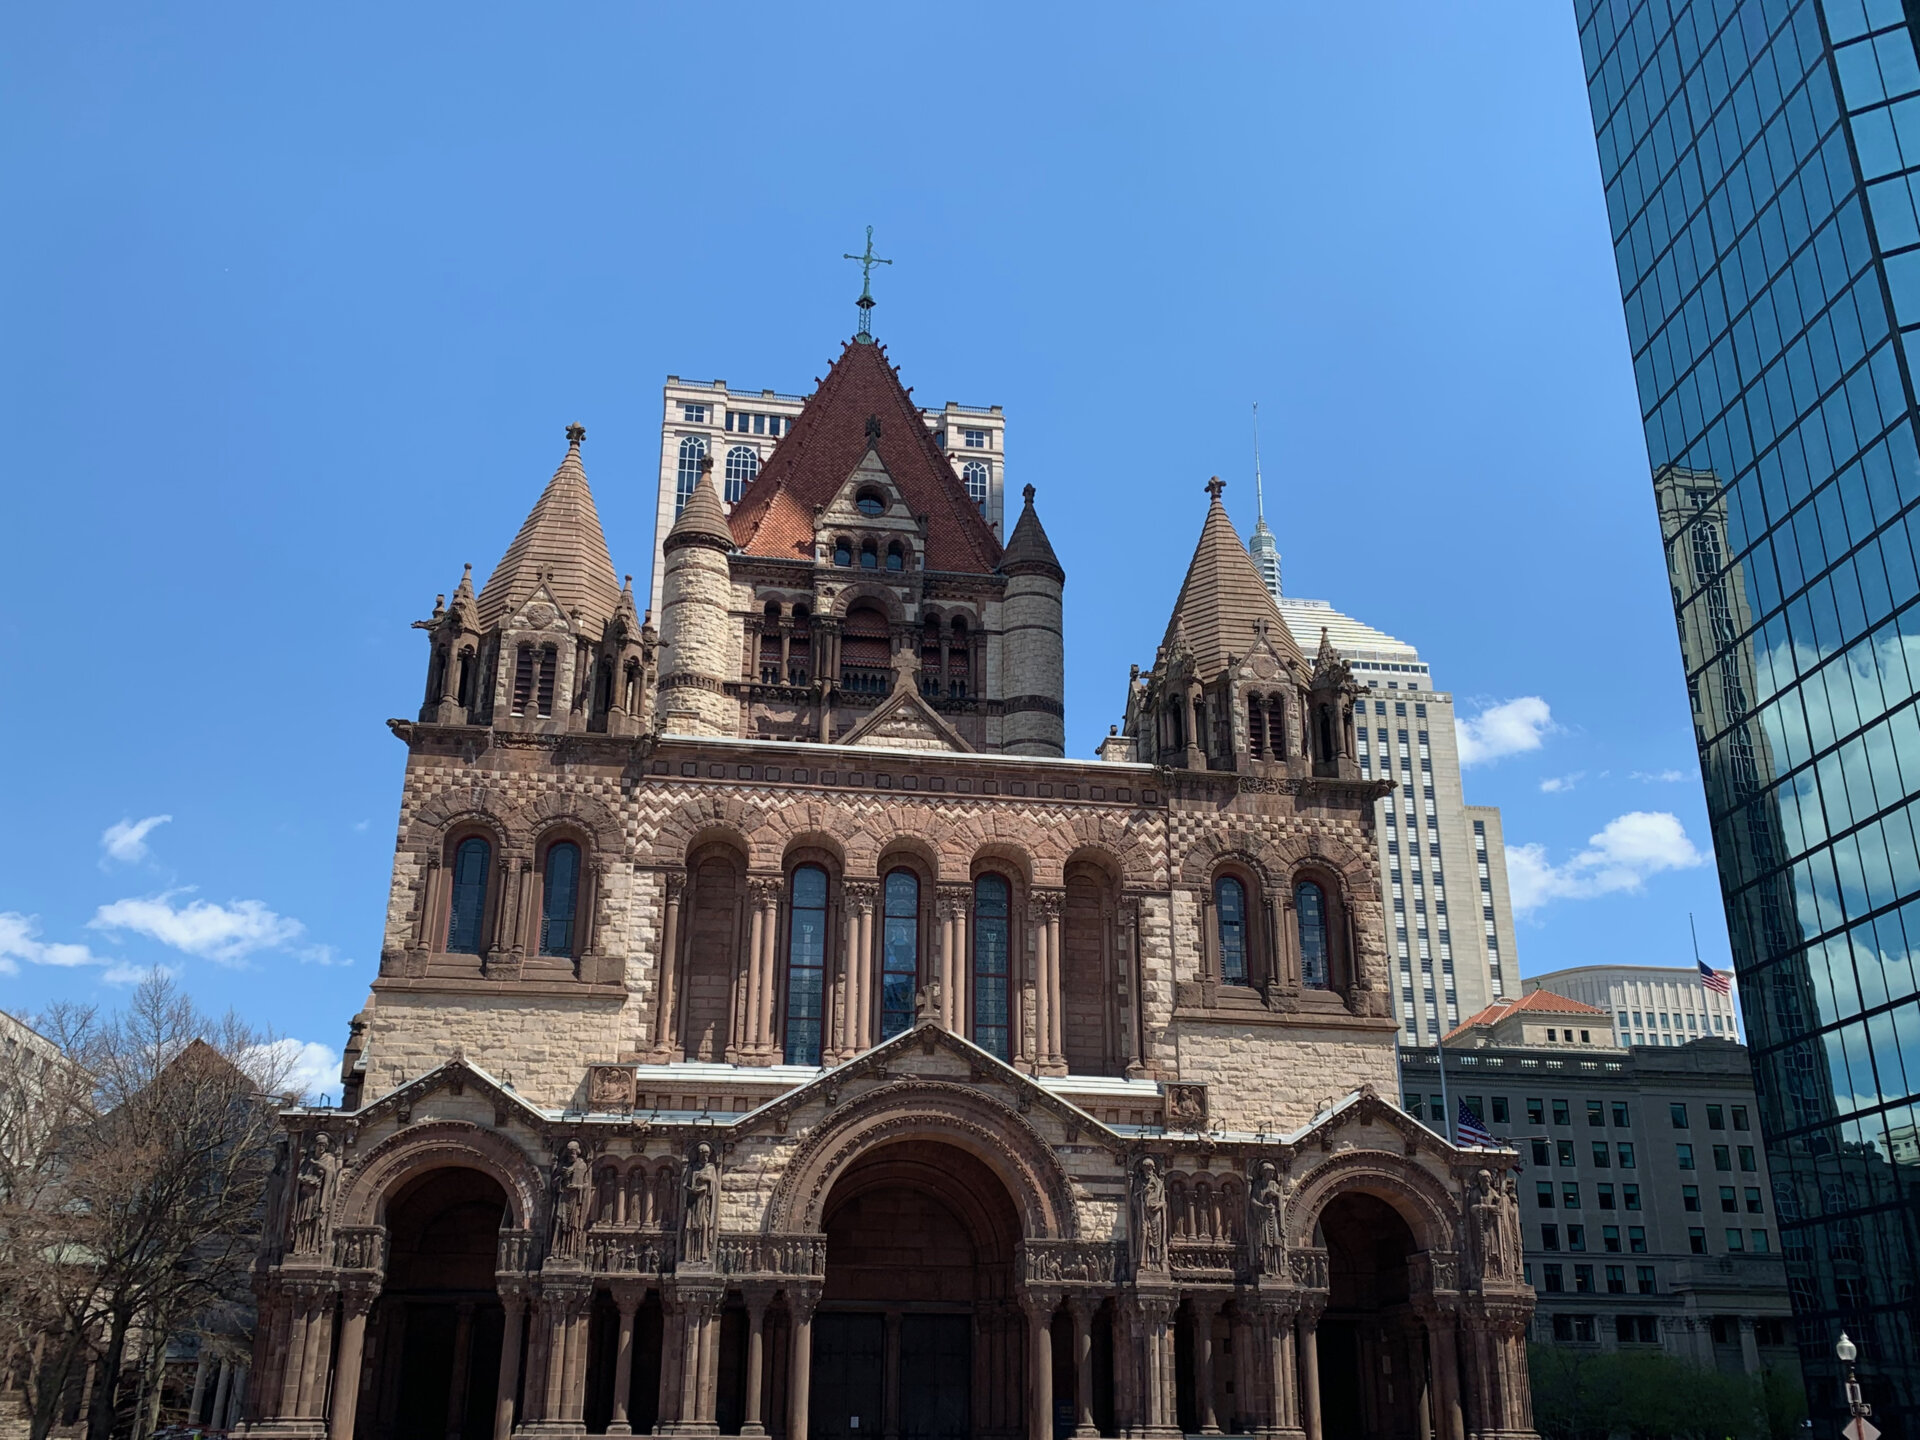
(1443, 862)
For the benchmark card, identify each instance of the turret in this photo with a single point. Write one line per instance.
(699, 644)
(1033, 651)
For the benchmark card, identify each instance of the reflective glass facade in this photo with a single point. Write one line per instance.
(1755, 155)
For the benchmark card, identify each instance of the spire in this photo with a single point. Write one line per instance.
(703, 520)
(1222, 602)
(1028, 549)
(560, 543)
(1261, 544)
(866, 301)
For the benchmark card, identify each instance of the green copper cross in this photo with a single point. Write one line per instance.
(866, 300)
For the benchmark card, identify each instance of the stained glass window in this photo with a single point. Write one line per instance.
(1310, 905)
(559, 898)
(899, 953)
(806, 964)
(990, 964)
(1230, 912)
(471, 861)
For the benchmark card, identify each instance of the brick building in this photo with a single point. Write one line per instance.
(776, 1033)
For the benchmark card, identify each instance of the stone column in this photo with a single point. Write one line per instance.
(1155, 1332)
(800, 1306)
(1056, 998)
(664, 997)
(1284, 1407)
(237, 1396)
(199, 1382)
(1039, 1365)
(770, 970)
(1308, 1328)
(1749, 1348)
(700, 1353)
(1082, 1308)
(1446, 1375)
(862, 895)
(749, 1020)
(457, 1385)
(220, 1386)
(1204, 1312)
(890, 1379)
(514, 1297)
(356, 1301)
(757, 1300)
(626, 1299)
(319, 1347)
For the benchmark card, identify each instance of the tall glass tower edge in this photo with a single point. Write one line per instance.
(1761, 160)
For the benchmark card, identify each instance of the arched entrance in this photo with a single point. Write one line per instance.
(435, 1340)
(1372, 1343)
(918, 1333)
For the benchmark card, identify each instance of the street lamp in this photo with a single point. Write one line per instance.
(1858, 1429)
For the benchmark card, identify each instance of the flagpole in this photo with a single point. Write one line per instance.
(1446, 1106)
(1695, 930)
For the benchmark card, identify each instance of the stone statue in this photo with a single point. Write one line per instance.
(274, 1232)
(701, 1227)
(1510, 1241)
(1149, 1219)
(314, 1187)
(1265, 1203)
(1487, 1226)
(572, 1194)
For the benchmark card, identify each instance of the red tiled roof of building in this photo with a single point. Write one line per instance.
(1544, 1000)
(815, 458)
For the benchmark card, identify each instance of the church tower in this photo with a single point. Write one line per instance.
(696, 634)
(1035, 647)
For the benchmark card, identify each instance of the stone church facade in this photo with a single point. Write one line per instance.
(776, 1033)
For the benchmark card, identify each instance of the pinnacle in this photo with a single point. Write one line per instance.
(561, 544)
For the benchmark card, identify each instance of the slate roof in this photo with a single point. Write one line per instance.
(1222, 599)
(703, 517)
(1028, 547)
(813, 460)
(562, 543)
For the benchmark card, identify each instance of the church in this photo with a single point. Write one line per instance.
(777, 1034)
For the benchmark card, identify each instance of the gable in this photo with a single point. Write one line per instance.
(904, 721)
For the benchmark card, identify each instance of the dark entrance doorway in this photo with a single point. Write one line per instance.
(435, 1340)
(1373, 1362)
(918, 1334)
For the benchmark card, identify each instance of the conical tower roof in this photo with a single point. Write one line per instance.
(560, 543)
(703, 519)
(1028, 548)
(1223, 602)
(815, 458)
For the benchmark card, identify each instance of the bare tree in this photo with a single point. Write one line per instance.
(154, 1185)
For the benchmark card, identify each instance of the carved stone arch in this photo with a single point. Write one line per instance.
(1137, 862)
(899, 830)
(1431, 1211)
(1231, 843)
(868, 592)
(777, 832)
(1097, 857)
(933, 1110)
(442, 1144)
(1012, 861)
(436, 818)
(698, 821)
(1350, 865)
(553, 808)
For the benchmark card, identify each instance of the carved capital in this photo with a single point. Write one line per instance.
(861, 895)
(766, 889)
(676, 884)
(1045, 905)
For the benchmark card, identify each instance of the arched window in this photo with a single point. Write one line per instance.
(522, 679)
(743, 463)
(543, 690)
(895, 560)
(806, 964)
(471, 861)
(1256, 728)
(559, 898)
(871, 502)
(1310, 906)
(1277, 726)
(463, 692)
(843, 551)
(1230, 918)
(436, 674)
(869, 556)
(991, 906)
(693, 450)
(976, 475)
(899, 953)
(866, 652)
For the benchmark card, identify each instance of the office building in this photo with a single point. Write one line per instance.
(1650, 1004)
(739, 428)
(1647, 1217)
(1758, 162)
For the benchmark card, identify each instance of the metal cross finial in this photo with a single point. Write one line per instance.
(866, 301)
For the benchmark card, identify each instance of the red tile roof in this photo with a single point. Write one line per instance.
(1542, 1000)
(814, 459)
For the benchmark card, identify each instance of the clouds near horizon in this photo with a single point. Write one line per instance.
(1626, 852)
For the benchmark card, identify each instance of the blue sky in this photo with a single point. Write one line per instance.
(298, 303)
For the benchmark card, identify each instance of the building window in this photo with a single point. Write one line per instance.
(1729, 1202)
(1570, 1195)
(1643, 1277)
(522, 679)
(1620, 1114)
(1555, 1284)
(991, 917)
(806, 963)
(1310, 906)
(899, 953)
(974, 439)
(1626, 1155)
(543, 686)
(1689, 1197)
(1697, 1240)
(1562, 1113)
(1596, 1114)
(1630, 1196)
(896, 559)
(559, 898)
(693, 414)
(1230, 918)
(1683, 1156)
(1637, 1239)
(471, 862)
(843, 551)
(1549, 1237)
(1543, 1194)
(1677, 1112)
(869, 556)
(975, 474)
(870, 502)
(742, 465)
(1716, 1118)
(693, 449)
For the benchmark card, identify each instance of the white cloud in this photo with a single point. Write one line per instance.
(1560, 784)
(126, 840)
(304, 1066)
(224, 933)
(1508, 728)
(323, 955)
(20, 940)
(1630, 848)
(123, 973)
(1661, 777)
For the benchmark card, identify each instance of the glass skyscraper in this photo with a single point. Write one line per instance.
(1757, 157)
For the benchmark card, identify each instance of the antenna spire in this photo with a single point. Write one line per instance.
(1259, 489)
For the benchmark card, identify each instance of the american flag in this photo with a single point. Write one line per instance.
(1470, 1130)
(1714, 980)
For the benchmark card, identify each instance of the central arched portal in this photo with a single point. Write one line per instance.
(1372, 1343)
(918, 1334)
